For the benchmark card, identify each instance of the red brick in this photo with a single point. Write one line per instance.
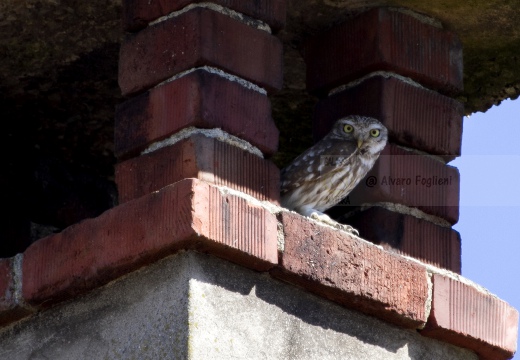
(196, 38)
(199, 157)
(352, 272)
(388, 40)
(10, 308)
(408, 235)
(187, 215)
(138, 13)
(415, 117)
(466, 317)
(199, 99)
(399, 176)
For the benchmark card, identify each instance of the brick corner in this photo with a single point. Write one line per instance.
(189, 214)
(465, 316)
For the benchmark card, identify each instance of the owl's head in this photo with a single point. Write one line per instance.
(368, 134)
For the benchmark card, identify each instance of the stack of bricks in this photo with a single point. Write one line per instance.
(198, 74)
(402, 69)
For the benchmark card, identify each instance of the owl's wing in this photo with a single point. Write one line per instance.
(316, 162)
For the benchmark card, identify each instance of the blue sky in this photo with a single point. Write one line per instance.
(490, 200)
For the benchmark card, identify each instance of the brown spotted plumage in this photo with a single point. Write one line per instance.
(327, 172)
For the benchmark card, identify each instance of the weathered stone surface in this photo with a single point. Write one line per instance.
(199, 307)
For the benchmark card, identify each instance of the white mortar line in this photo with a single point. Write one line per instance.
(280, 238)
(401, 209)
(421, 17)
(266, 205)
(385, 74)
(259, 24)
(247, 84)
(216, 133)
(437, 158)
(269, 206)
(429, 299)
(434, 270)
(17, 264)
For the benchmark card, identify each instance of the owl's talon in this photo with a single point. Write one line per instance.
(349, 229)
(324, 218)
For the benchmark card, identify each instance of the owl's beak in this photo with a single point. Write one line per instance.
(359, 143)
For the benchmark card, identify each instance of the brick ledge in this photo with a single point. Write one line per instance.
(193, 215)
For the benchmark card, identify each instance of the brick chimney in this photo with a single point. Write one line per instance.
(200, 261)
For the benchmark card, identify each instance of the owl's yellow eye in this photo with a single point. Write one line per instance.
(374, 132)
(348, 128)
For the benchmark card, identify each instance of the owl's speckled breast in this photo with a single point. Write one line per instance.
(338, 184)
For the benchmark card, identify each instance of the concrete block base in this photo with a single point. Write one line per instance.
(195, 306)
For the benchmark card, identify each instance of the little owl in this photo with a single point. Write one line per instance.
(327, 172)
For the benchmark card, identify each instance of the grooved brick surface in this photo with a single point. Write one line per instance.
(352, 272)
(402, 177)
(199, 157)
(388, 40)
(196, 38)
(199, 99)
(187, 215)
(463, 316)
(138, 13)
(408, 235)
(415, 117)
